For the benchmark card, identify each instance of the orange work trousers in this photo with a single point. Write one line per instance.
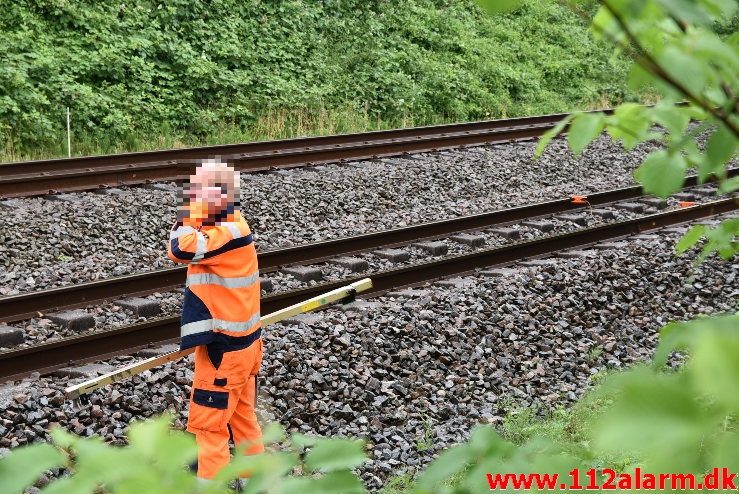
(222, 406)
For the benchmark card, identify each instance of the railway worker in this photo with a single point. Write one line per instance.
(220, 314)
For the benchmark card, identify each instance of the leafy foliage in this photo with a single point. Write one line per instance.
(190, 68)
(676, 50)
(661, 422)
(156, 458)
(24, 466)
(659, 419)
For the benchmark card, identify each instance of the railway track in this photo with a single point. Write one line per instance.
(47, 357)
(26, 305)
(91, 172)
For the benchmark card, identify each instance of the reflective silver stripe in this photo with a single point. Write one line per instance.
(210, 324)
(234, 229)
(214, 279)
(183, 230)
(202, 247)
(236, 326)
(196, 327)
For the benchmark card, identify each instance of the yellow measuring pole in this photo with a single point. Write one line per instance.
(74, 392)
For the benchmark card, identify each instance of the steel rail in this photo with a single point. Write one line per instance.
(75, 174)
(25, 305)
(47, 357)
(34, 183)
(168, 155)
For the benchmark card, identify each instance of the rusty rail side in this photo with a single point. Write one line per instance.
(91, 172)
(25, 305)
(171, 155)
(49, 356)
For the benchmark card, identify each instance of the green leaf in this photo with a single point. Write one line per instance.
(630, 122)
(335, 454)
(657, 415)
(485, 440)
(715, 95)
(546, 138)
(712, 49)
(672, 337)
(447, 464)
(683, 335)
(693, 154)
(289, 485)
(175, 450)
(686, 10)
(495, 7)
(730, 185)
(62, 438)
(726, 452)
(695, 112)
(639, 78)
(715, 366)
(722, 239)
(273, 433)
(341, 482)
(584, 128)
(302, 441)
(22, 466)
(662, 173)
(720, 147)
(720, 9)
(147, 435)
(93, 459)
(713, 343)
(682, 67)
(690, 238)
(76, 484)
(266, 469)
(671, 117)
(604, 22)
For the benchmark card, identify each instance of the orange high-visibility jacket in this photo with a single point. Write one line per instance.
(221, 305)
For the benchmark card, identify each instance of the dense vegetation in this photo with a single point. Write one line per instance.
(158, 73)
(655, 417)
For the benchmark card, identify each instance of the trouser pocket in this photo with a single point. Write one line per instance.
(239, 365)
(208, 410)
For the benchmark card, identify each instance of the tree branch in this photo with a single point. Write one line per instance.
(645, 59)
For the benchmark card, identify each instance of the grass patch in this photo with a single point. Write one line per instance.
(403, 484)
(427, 441)
(397, 485)
(567, 427)
(273, 124)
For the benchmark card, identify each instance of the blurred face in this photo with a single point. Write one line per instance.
(211, 191)
(214, 187)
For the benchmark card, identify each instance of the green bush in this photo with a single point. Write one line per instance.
(155, 462)
(188, 69)
(661, 420)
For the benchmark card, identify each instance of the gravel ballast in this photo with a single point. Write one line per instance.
(50, 242)
(423, 368)
(61, 324)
